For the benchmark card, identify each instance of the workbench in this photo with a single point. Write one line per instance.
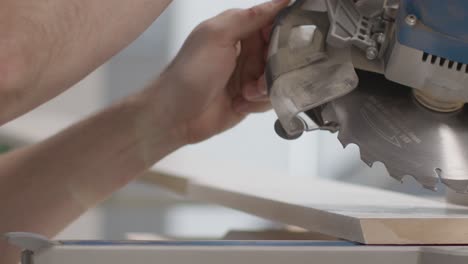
(358, 225)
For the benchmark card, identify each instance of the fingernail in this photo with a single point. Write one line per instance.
(251, 92)
(254, 95)
(264, 90)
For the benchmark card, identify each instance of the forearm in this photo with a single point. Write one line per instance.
(59, 179)
(47, 46)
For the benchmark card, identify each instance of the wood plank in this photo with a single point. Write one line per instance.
(277, 235)
(355, 213)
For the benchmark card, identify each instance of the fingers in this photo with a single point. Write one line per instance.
(245, 107)
(252, 62)
(254, 98)
(252, 27)
(266, 32)
(256, 91)
(241, 23)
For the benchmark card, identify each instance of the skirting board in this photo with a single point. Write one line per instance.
(355, 213)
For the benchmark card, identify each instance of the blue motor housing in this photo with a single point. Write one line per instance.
(441, 29)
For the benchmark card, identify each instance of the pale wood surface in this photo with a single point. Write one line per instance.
(346, 211)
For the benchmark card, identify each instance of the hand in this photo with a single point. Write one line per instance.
(217, 78)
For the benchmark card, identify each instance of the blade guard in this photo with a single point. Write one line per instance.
(303, 73)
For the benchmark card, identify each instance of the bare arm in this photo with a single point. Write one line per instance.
(47, 46)
(59, 179)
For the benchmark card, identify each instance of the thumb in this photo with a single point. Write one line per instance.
(241, 23)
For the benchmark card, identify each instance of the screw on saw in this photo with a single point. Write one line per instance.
(381, 38)
(411, 20)
(372, 53)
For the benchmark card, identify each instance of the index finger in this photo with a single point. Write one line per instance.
(239, 24)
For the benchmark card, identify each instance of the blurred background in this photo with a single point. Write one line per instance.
(252, 148)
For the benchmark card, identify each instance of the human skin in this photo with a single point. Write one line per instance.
(47, 46)
(46, 186)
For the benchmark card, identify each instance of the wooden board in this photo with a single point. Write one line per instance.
(277, 235)
(355, 213)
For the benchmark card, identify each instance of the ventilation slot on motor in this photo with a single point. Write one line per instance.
(443, 62)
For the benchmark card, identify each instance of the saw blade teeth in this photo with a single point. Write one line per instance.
(346, 142)
(368, 159)
(389, 126)
(428, 181)
(344, 139)
(431, 188)
(343, 143)
(397, 176)
(459, 186)
(369, 162)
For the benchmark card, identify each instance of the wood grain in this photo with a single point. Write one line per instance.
(355, 213)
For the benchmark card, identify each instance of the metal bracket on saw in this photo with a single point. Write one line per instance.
(310, 62)
(348, 25)
(302, 72)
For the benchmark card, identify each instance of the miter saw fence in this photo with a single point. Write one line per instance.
(405, 108)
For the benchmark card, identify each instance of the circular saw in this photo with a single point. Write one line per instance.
(390, 76)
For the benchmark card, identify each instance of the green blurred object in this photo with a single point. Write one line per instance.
(4, 149)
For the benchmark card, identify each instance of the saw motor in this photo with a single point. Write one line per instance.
(390, 76)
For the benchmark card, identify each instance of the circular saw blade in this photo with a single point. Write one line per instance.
(391, 127)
